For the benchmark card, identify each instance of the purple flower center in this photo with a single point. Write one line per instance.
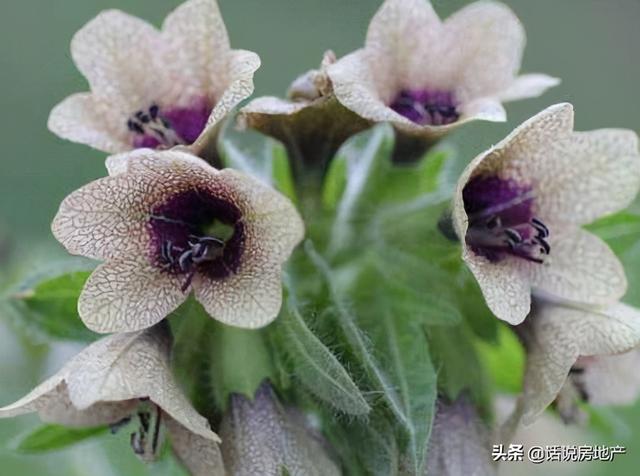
(426, 107)
(158, 127)
(501, 220)
(195, 231)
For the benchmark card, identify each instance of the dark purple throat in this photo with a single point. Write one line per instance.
(197, 232)
(501, 220)
(426, 107)
(165, 127)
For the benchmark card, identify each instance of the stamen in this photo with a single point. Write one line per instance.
(152, 128)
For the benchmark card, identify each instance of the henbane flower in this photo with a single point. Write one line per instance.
(519, 208)
(167, 223)
(119, 379)
(561, 337)
(153, 88)
(426, 76)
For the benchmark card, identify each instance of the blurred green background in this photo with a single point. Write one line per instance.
(591, 44)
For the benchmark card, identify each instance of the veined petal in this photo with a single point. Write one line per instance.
(200, 455)
(122, 57)
(528, 86)
(273, 226)
(588, 175)
(523, 154)
(611, 379)
(580, 268)
(198, 47)
(240, 69)
(250, 298)
(104, 219)
(486, 109)
(78, 119)
(560, 336)
(399, 33)
(51, 400)
(128, 295)
(506, 286)
(481, 50)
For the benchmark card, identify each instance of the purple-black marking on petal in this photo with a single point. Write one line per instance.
(501, 220)
(426, 107)
(188, 235)
(165, 127)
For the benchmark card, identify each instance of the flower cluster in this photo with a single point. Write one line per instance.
(173, 220)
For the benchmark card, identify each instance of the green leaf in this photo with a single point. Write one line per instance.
(239, 361)
(407, 384)
(504, 360)
(54, 437)
(316, 367)
(50, 306)
(367, 163)
(457, 362)
(401, 340)
(270, 164)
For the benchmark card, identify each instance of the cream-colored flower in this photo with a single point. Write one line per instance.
(167, 223)
(311, 122)
(519, 208)
(153, 88)
(460, 442)
(260, 436)
(120, 378)
(562, 337)
(426, 76)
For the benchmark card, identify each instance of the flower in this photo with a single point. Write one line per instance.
(519, 206)
(311, 122)
(262, 437)
(120, 378)
(167, 223)
(600, 380)
(459, 442)
(151, 88)
(560, 338)
(427, 77)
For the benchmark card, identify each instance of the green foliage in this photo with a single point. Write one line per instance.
(405, 379)
(239, 361)
(315, 365)
(270, 164)
(48, 305)
(55, 437)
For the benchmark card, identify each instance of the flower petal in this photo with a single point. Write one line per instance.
(250, 298)
(612, 379)
(580, 268)
(241, 67)
(505, 285)
(400, 30)
(272, 223)
(201, 456)
(122, 57)
(199, 47)
(128, 295)
(480, 51)
(77, 119)
(104, 219)
(588, 175)
(528, 86)
(560, 336)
